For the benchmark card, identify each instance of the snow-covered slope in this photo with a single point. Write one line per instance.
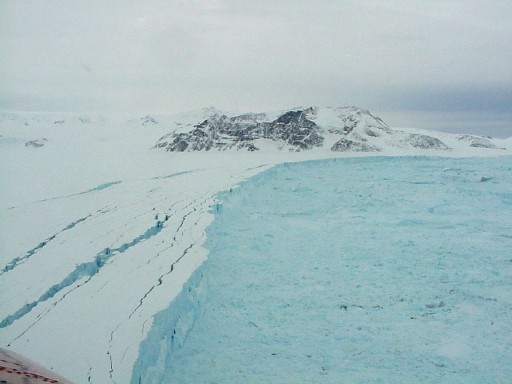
(99, 230)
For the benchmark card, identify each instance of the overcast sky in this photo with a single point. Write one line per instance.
(443, 65)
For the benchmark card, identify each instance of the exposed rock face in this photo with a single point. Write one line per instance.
(197, 140)
(347, 145)
(38, 143)
(292, 129)
(339, 129)
(425, 142)
(478, 142)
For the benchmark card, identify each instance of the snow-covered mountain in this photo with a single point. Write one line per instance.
(314, 129)
(339, 129)
(102, 223)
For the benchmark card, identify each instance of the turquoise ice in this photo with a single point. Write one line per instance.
(367, 270)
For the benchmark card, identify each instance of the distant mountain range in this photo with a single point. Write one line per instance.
(339, 129)
(325, 129)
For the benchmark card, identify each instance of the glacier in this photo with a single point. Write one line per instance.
(102, 235)
(377, 269)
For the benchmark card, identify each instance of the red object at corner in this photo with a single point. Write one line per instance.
(16, 369)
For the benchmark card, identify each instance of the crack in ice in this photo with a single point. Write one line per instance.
(160, 279)
(95, 189)
(87, 269)
(20, 260)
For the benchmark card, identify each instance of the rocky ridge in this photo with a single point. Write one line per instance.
(292, 129)
(324, 129)
(341, 129)
(478, 142)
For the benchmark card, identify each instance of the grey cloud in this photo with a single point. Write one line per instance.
(460, 98)
(163, 56)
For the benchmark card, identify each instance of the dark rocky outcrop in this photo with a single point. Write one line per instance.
(478, 141)
(292, 129)
(347, 145)
(339, 129)
(38, 143)
(425, 142)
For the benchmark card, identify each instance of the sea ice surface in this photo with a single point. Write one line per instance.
(382, 269)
